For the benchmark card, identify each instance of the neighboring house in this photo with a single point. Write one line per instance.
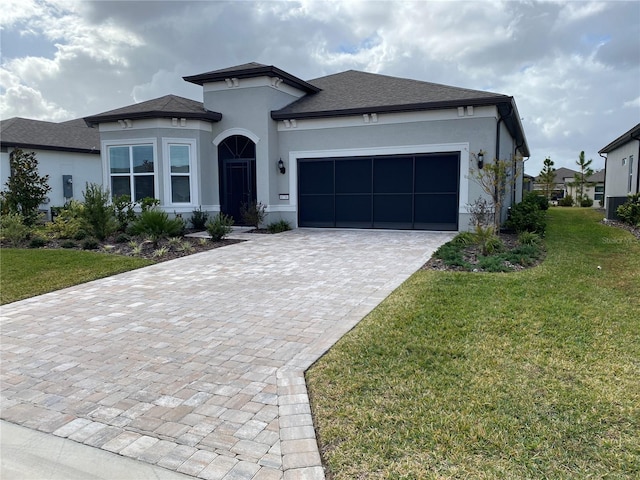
(564, 185)
(352, 149)
(527, 182)
(69, 152)
(622, 165)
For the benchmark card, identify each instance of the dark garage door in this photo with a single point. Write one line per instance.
(397, 191)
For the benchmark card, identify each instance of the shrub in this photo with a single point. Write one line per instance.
(37, 242)
(68, 244)
(487, 239)
(629, 211)
(566, 201)
(464, 239)
(493, 264)
(122, 238)
(148, 203)
(69, 222)
(451, 255)
(253, 213)
(278, 227)
(527, 217)
(97, 212)
(541, 201)
(123, 211)
(219, 227)
(199, 219)
(156, 224)
(90, 244)
(13, 229)
(529, 238)
(586, 202)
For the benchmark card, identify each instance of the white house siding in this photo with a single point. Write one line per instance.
(617, 173)
(83, 167)
(418, 132)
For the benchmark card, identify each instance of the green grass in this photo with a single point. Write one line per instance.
(530, 375)
(25, 273)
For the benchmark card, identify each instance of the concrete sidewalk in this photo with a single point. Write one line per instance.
(197, 365)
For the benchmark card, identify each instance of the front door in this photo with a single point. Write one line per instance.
(237, 168)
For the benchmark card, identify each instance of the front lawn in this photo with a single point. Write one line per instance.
(25, 273)
(533, 374)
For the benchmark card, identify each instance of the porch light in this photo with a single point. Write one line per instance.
(281, 166)
(480, 159)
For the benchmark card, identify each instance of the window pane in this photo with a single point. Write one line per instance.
(180, 191)
(120, 186)
(119, 159)
(179, 158)
(142, 158)
(143, 185)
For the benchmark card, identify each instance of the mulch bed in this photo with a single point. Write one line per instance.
(635, 231)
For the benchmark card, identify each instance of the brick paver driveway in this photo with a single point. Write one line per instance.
(197, 364)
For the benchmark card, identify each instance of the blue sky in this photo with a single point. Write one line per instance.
(572, 66)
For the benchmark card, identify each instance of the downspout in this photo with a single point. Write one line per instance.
(637, 169)
(515, 170)
(500, 120)
(604, 189)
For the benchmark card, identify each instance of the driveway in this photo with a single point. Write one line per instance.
(197, 364)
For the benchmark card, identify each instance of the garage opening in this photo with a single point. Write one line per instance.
(417, 191)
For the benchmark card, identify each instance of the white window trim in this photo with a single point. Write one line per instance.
(193, 171)
(236, 131)
(106, 164)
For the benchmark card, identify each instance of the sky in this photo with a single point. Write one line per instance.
(573, 67)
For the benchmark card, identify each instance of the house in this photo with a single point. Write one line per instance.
(69, 152)
(564, 185)
(352, 149)
(622, 165)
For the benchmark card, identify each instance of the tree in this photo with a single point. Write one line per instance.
(580, 181)
(26, 189)
(494, 178)
(547, 177)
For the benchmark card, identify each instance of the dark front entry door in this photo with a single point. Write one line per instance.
(237, 168)
(238, 186)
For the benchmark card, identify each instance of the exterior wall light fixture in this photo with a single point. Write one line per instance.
(480, 160)
(281, 167)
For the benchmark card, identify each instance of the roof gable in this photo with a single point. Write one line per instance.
(251, 70)
(164, 107)
(71, 136)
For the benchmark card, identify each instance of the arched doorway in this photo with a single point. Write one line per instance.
(237, 173)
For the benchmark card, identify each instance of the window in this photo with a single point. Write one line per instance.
(629, 186)
(132, 170)
(180, 171)
(179, 156)
(599, 192)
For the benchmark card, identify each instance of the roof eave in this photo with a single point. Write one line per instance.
(206, 116)
(32, 146)
(626, 137)
(268, 70)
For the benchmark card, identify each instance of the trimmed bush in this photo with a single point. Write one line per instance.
(90, 244)
(37, 242)
(629, 211)
(278, 227)
(586, 202)
(566, 201)
(156, 224)
(219, 227)
(526, 216)
(199, 219)
(253, 213)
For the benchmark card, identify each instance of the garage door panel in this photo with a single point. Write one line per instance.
(393, 211)
(316, 177)
(393, 174)
(353, 211)
(436, 211)
(353, 175)
(317, 210)
(437, 173)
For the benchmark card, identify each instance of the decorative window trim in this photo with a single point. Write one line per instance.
(193, 171)
(236, 131)
(106, 162)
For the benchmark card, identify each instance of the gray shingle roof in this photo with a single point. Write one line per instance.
(562, 173)
(251, 70)
(353, 92)
(164, 107)
(71, 136)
